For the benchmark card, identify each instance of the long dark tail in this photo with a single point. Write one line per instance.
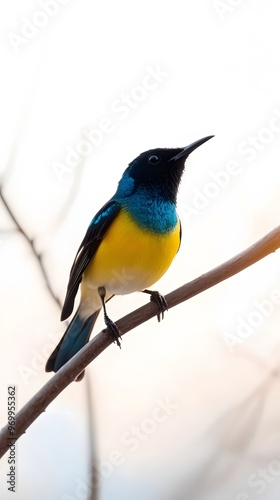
(75, 337)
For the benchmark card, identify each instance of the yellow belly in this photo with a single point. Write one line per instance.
(130, 259)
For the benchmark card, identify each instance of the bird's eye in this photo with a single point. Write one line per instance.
(154, 159)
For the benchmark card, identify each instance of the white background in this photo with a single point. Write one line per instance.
(64, 72)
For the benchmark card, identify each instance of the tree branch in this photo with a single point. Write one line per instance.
(67, 374)
(31, 244)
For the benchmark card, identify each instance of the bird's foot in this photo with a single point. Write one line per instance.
(112, 327)
(160, 302)
(114, 331)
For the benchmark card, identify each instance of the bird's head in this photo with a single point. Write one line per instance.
(160, 170)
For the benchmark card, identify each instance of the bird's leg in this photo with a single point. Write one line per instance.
(112, 327)
(159, 300)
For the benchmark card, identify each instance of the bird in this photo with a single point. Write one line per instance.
(128, 246)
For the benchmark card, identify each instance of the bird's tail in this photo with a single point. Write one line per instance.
(75, 337)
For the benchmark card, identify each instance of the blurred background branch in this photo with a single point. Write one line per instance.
(32, 245)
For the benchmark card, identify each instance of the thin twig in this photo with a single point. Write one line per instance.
(31, 244)
(67, 374)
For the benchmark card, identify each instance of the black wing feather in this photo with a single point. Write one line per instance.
(86, 251)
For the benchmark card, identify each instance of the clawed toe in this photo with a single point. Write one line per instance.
(160, 302)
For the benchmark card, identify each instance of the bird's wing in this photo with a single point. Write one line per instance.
(93, 237)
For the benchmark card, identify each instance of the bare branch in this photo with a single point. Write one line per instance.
(67, 374)
(31, 244)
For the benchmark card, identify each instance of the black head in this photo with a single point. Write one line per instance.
(162, 169)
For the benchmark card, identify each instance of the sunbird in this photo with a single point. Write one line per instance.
(129, 245)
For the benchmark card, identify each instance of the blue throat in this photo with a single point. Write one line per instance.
(151, 211)
(147, 205)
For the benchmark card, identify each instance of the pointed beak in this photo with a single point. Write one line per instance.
(189, 149)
